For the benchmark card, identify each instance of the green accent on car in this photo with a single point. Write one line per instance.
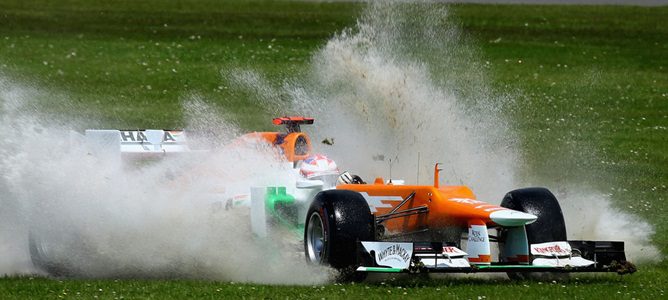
(382, 270)
(276, 201)
(277, 195)
(511, 266)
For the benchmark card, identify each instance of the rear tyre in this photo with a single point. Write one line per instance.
(549, 226)
(42, 257)
(335, 222)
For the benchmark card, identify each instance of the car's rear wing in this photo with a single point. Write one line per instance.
(292, 123)
(138, 141)
(295, 144)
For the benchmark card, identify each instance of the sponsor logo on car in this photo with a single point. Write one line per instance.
(453, 251)
(551, 249)
(465, 200)
(139, 136)
(394, 252)
(390, 254)
(376, 202)
(477, 236)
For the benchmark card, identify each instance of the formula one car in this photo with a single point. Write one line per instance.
(389, 227)
(386, 226)
(383, 227)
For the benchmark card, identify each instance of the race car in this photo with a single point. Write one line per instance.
(389, 227)
(386, 227)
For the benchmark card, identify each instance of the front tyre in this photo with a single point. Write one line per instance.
(548, 227)
(335, 222)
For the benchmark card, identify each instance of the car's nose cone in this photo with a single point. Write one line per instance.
(509, 217)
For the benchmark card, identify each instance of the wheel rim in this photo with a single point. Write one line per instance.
(315, 238)
(38, 249)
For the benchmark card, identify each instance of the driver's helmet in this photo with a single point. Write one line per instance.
(319, 167)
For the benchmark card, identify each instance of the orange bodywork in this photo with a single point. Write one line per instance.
(295, 146)
(447, 205)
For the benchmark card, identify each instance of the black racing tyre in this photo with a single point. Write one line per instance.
(335, 222)
(549, 227)
(42, 257)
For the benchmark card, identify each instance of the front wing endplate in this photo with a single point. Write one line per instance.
(435, 257)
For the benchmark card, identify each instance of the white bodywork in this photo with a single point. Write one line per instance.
(376, 202)
(557, 254)
(133, 141)
(398, 255)
(303, 190)
(390, 254)
(477, 244)
(452, 257)
(509, 217)
(258, 212)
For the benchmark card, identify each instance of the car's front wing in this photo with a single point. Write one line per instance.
(435, 257)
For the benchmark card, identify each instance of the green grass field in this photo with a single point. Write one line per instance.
(579, 75)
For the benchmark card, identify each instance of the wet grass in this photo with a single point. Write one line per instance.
(133, 62)
(645, 285)
(587, 82)
(591, 96)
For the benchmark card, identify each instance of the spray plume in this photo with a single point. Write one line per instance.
(401, 82)
(97, 218)
(405, 82)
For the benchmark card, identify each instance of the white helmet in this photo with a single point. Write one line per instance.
(318, 165)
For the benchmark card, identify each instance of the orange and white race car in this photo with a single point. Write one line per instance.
(360, 227)
(387, 226)
(384, 227)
